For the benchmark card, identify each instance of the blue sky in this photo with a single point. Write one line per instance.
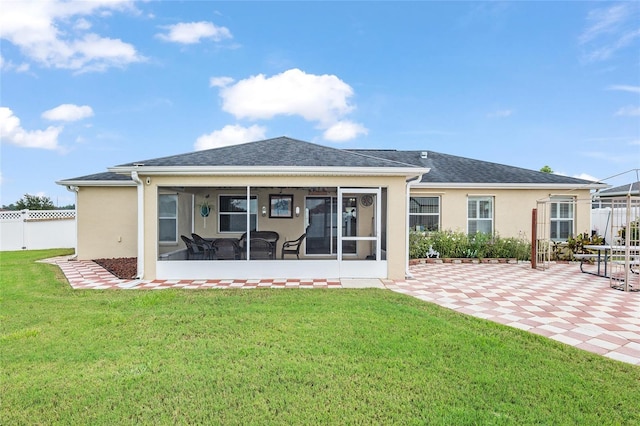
(89, 85)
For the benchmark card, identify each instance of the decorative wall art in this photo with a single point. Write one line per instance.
(280, 206)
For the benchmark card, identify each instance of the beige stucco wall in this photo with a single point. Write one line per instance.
(107, 216)
(107, 222)
(287, 228)
(512, 208)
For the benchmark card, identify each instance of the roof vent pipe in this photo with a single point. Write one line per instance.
(424, 154)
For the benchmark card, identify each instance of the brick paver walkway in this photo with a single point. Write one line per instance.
(561, 303)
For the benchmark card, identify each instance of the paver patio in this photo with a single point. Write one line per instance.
(561, 303)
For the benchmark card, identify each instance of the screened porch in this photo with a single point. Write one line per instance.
(251, 231)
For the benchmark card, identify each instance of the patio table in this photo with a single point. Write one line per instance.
(604, 257)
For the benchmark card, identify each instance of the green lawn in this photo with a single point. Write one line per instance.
(241, 357)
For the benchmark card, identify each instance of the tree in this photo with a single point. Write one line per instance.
(34, 202)
(546, 169)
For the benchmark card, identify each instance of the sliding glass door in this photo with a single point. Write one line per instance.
(322, 232)
(353, 216)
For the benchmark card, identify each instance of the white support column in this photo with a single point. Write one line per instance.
(140, 189)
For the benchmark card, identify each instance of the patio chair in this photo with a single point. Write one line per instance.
(261, 249)
(206, 244)
(270, 236)
(194, 251)
(226, 249)
(293, 247)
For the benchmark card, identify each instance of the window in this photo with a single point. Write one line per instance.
(561, 218)
(168, 218)
(480, 215)
(232, 213)
(424, 213)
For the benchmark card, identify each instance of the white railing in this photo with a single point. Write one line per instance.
(37, 229)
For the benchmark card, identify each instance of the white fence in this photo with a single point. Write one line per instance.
(37, 229)
(608, 222)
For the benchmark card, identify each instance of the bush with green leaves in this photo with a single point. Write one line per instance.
(453, 244)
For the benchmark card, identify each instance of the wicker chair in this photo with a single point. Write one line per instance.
(206, 244)
(293, 247)
(226, 249)
(194, 251)
(261, 249)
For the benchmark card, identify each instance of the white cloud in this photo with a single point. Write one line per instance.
(603, 21)
(10, 66)
(502, 113)
(220, 81)
(230, 135)
(625, 88)
(194, 32)
(610, 29)
(586, 176)
(323, 99)
(344, 131)
(12, 132)
(68, 112)
(82, 24)
(629, 111)
(46, 33)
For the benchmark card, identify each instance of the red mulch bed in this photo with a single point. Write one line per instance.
(125, 268)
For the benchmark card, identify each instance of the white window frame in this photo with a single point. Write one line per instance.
(478, 199)
(556, 217)
(437, 214)
(244, 214)
(174, 217)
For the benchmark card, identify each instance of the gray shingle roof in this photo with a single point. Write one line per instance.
(288, 152)
(447, 168)
(622, 190)
(99, 177)
(276, 152)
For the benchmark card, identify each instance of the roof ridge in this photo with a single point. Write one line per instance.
(262, 145)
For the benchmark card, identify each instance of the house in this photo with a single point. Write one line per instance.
(603, 198)
(355, 208)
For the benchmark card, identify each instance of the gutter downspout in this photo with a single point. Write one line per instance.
(75, 189)
(409, 184)
(140, 187)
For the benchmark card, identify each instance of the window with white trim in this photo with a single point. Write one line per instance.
(232, 213)
(562, 218)
(424, 213)
(480, 215)
(168, 218)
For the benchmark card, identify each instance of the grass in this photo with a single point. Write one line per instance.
(282, 357)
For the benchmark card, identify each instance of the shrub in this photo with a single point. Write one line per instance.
(634, 236)
(459, 244)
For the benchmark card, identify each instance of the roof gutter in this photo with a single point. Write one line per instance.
(140, 189)
(481, 185)
(70, 184)
(410, 184)
(75, 189)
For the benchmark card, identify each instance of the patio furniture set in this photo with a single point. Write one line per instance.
(262, 246)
